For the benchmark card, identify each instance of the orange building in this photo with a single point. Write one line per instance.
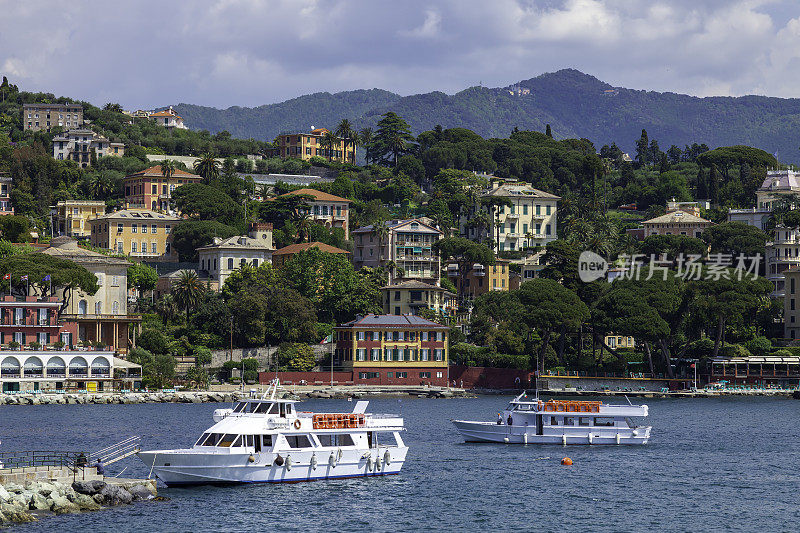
(307, 145)
(149, 189)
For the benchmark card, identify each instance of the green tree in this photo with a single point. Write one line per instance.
(167, 309)
(167, 168)
(187, 290)
(64, 275)
(297, 357)
(208, 167)
(736, 238)
(464, 253)
(550, 307)
(142, 277)
(391, 138)
(203, 202)
(189, 235)
(329, 143)
(366, 138)
(347, 133)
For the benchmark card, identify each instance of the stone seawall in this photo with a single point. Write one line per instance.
(119, 398)
(34, 499)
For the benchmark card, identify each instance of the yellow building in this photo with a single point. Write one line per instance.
(307, 145)
(139, 233)
(73, 216)
(619, 342)
(482, 278)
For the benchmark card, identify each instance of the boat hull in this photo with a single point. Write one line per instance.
(473, 431)
(189, 467)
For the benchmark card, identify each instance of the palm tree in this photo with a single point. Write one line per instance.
(167, 309)
(382, 232)
(167, 168)
(366, 138)
(348, 135)
(208, 167)
(303, 223)
(329, 141)
(187, 290)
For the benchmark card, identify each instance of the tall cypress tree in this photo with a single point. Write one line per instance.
(548, 131)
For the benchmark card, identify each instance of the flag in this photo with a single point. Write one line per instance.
(692, 366)
(7, 276)
(327, 339)
(24, 278)
(46, 278)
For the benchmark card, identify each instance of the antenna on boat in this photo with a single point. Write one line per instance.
(629, 400)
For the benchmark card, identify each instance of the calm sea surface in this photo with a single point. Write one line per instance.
(711, 465)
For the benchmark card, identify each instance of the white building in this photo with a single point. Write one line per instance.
(783, 252)
(66, 369)
(168, 118)
(530, 221)
(78, 145)
(224, 257)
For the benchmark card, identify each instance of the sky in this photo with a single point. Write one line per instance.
(148, 53)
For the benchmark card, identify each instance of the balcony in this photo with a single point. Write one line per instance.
(514, 216)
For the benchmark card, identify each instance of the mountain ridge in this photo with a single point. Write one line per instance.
(575, 104)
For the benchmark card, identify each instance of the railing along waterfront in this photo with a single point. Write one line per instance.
(43, 459)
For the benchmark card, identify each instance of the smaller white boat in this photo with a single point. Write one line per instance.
(559, 422)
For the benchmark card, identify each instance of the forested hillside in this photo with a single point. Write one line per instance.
(575, 105)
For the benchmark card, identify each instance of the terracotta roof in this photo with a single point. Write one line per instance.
(155, 172)
(677, 217)
(394, 321)
(297, 248)
(166, 114)
(318, 195)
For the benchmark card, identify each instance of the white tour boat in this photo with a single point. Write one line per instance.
(559, 422)
(266, 440)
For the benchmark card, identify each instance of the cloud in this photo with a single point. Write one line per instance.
(429, 28)
(251, 52)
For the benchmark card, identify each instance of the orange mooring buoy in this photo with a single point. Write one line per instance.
(566, 461)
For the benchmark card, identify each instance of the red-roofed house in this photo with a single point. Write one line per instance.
(149, 189)
(327, 209)
(280, 257)
(394, 350)
(168, 118)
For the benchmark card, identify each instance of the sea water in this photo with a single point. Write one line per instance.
(710, 465)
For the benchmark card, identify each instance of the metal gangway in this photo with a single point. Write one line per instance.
(116, 452)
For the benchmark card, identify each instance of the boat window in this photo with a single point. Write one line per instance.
(227, 440)
(239, 442)
(262, 407)
(569, 420)
(553, 421)
(333, 439)
(239, 407)
(298, 441)
(203, 437)
(289, 408)
(249, 440)
(603, 421)
(282, 409)
(266, 440)
(523, 407)
(585, 421)
(212, 440)
(273, 409)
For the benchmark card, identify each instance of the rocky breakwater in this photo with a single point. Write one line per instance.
(38, 498)
(118, 398)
